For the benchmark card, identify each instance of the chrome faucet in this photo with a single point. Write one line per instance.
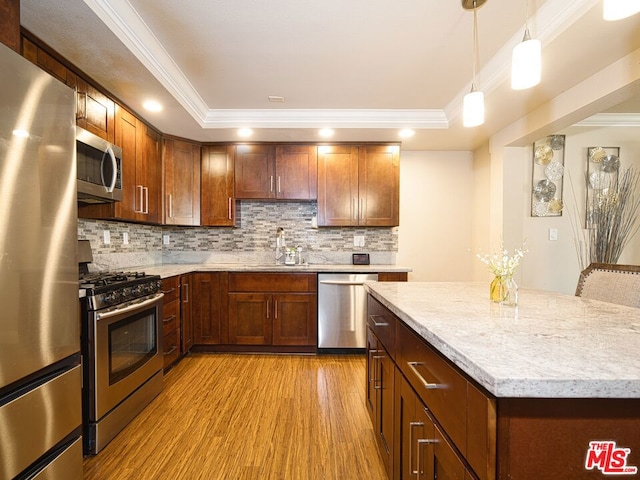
(280, 244)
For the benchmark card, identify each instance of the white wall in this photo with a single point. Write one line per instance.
(436, 194)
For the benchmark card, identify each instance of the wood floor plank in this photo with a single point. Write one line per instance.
(228, 417)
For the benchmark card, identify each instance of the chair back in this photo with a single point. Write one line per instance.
(611, 283)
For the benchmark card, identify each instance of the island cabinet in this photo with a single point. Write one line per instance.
(218, 206)
(430, 420)
(359, 185)
(141, 174)
(273, 309)
(181, 162)
(276, 172)
(171, 320)
(381, 379)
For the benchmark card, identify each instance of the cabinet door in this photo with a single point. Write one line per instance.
(126, 136)
(171, 320)
(372, 348)
(250, 318)
(218, 204)
(186, 300)
(181, 161)
(337, 186)
(294, 319)
(384, 408)
(407, 429)
(95, 111)
(296, 172)
(379, 186)
(254, 171)
(148, 175)
(204, 297)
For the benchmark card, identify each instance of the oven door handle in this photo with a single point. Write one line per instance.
(130, 308)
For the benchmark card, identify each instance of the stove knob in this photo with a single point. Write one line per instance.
(109, 298)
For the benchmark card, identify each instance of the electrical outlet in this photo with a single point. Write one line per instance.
(553, 234)
(106, 237)
(125, 238)
(165, 239)
(358, 240)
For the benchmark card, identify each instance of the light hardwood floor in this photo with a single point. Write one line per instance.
(225, 416)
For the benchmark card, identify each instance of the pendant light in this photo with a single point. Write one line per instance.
(473, 103)
(619, 9)
(526, 61)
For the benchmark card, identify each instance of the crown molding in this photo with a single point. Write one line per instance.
(318, 118)
(611, 120)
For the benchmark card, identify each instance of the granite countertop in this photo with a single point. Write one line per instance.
(170, 270)
(550, 346)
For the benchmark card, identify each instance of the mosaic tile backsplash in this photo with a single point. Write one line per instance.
(253, 242)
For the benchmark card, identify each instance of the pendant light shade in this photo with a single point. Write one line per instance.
(473, 108)
(526, 63)
(619, 9)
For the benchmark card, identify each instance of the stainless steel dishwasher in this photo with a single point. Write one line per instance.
(342, 310)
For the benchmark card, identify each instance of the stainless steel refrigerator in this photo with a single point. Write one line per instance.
(40, 372)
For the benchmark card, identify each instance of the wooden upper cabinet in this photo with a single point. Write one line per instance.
(359, 186)
(254, 171)
(148, 175)
(337, 185)
(181, 162)
(10, 24)
(282, 172)
(217, 198)
(95, 111)
(296, 172)
(379, 186)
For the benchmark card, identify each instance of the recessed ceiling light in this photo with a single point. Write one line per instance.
(245, 132)
(326, 132)
(406, 133)
(276, 99)
(152, 106)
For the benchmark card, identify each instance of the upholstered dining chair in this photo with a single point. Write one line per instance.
(611, 283)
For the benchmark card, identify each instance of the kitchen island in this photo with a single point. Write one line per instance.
(548, 389)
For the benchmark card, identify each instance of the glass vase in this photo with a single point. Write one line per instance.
(497, 289)
(510, 292)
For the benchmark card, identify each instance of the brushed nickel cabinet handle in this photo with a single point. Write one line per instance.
(268, 308)
(412, 425)
(278, 183)
(167, 292)
(171, 350)
(169, 319)
(354, 207)
(378, 324)
(271, 183)
(185, 288)
(146, 200)
(361, 209)
(141, 202)
(427, 385)
(275, 309)
(421, 441)
(230, 208)
(170, 206)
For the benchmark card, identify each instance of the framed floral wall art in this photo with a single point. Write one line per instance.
(547, 177)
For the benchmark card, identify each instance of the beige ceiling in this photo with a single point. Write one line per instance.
(364, 67)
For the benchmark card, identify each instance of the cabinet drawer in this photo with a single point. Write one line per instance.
(171, 289)
(442, 389)
(171, 347)
(170, 317)
(383, 324)
(272, 282)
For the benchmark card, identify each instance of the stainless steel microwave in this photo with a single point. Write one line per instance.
(99, 169)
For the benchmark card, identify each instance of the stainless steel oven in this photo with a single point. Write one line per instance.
(122, 349)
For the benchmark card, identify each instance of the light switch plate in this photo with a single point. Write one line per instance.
(553, 234)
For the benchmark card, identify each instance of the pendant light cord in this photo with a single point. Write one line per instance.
(475, 44)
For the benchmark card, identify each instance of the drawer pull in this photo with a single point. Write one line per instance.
(378, 324)
(427, 385)
(169, 319)
(411, 426)
(422, 441)
(167, 292)
(171, 350)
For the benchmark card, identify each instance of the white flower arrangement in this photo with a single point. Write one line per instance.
(502, 264)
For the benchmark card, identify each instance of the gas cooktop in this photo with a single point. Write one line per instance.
(105, 289)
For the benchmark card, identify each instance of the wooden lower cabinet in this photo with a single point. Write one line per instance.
(203, 298)
(171, 320)
(380, 397)
(422, 451)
